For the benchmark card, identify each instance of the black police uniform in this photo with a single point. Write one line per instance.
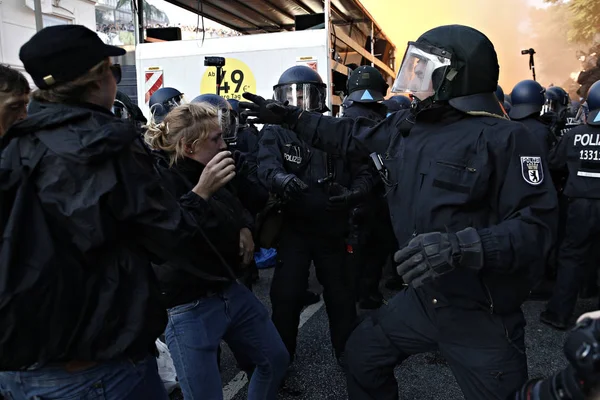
(373, 219)
(453, 171)
(578, 151)
(544, 136)
(468, 191)
(310, 233)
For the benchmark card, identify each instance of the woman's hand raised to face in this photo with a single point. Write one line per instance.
(216, 174)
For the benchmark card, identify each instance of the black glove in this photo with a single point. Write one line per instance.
(241, 165)
(269, 111)
(431, 255)
(289, 186)
(344, 198)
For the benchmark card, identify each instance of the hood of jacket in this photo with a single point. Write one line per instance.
(82, 133)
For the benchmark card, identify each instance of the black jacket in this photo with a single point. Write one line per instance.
(541, 131)
(578, 154)
(372, 111)
(224, 217)
(281, 151)
(97, 183)
(455, 171)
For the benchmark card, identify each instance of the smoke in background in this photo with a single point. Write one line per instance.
(512, 25)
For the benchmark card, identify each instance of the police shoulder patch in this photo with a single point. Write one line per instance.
(532, 170)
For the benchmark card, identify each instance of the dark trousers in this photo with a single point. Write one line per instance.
(290, 282)
(486, 352)
(365, 265)
(582, 230)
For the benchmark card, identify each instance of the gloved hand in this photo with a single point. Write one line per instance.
(289, 186)
(269, 111)
(344, 198)
(239, 159)
(431, 255)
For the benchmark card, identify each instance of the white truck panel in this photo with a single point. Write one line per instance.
(259, 58)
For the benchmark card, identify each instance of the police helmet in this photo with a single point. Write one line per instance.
(126, 109)
(500, 94)
(556, 103)
(593, 103)
(452, 63)
(397, 103)
(302, 87)
(164, 100)
(235, 106)
(507, 97)
(527, 99)
(366, 85)
(228, 118)
(507, 106)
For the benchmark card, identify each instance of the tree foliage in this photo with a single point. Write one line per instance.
(150, 12)
(584, 19)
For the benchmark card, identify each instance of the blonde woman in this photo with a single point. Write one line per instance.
(205, 310)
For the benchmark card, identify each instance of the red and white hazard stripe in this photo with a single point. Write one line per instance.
(154, 81)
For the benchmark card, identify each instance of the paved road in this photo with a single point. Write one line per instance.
(421, 377)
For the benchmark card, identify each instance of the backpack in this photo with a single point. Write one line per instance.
(34, 294)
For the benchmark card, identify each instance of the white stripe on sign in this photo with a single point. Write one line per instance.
(150, 81)
(240, 380)
(589, 174)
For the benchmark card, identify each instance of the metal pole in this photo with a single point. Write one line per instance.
(136, 22)
(39, 22)
(141, 22)
(372, 44)
(330, 51)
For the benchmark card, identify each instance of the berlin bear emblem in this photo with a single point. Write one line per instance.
(532, 171)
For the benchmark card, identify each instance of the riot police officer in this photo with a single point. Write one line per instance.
(578, 152)
(318, 190)
(366, 89)
(527, 99)
(555, 109)
(162, 101)
(470, 201)
(371, 237)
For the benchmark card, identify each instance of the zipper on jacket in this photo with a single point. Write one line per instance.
(459, 167)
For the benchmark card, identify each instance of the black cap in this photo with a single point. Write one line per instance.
(366, 85)
(62, 53)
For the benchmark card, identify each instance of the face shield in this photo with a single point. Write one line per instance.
(307, 96)
(120, 111)
(229, 123)
(423, 70)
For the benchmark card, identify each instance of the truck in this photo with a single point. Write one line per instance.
(254, 61)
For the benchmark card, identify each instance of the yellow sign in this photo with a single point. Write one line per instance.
(236, 78)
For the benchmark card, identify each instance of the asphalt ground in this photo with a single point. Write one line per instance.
(425, 376)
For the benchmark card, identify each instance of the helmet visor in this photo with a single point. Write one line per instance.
(120, 111)
(229, 123)
(422, 70)
(307, 96)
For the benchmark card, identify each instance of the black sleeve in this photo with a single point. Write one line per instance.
(362, 177)
(528, 213)
(165, 227)
(353, 139)
(269, 158)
